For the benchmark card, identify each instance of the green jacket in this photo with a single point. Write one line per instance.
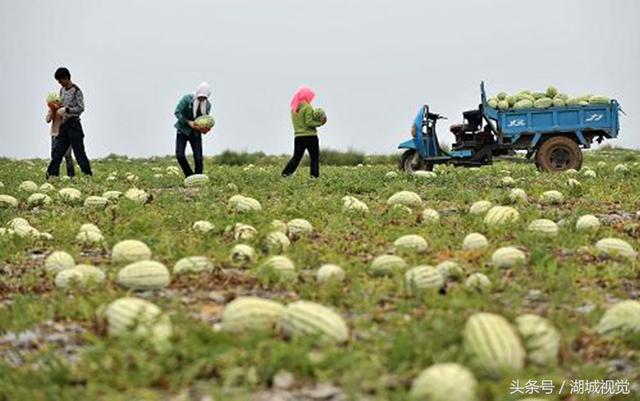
(184, 113)
(304, 123)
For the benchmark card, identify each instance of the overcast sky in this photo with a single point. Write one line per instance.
(371, 62)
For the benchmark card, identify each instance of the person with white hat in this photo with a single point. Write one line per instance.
(189, 108)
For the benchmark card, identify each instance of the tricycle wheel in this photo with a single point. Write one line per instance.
(410, 162)
(558, 154)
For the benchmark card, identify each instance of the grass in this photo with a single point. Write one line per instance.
(393, 336)
(328, 157)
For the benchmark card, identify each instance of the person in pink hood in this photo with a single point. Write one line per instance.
(305, 122)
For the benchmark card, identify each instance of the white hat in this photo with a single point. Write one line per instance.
(204, 90)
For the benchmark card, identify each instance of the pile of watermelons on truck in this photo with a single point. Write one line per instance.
(550, 126)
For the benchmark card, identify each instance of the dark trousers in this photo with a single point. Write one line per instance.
(195, 140)
(68, 157)
(302, 143)
(70, 136)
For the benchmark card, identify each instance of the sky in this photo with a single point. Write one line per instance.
(371, 62)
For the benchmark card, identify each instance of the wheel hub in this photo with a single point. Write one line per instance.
(413, 163)
(560, 158)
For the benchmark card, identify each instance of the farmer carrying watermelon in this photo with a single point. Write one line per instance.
(193, 120)
(71, 134)
(305, 121)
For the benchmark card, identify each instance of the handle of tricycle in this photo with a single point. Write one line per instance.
(483, 94)
(420, 126)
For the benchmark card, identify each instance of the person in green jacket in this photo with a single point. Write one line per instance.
(190, 107)
(305, 121)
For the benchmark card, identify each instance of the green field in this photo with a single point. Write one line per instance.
(55, 342)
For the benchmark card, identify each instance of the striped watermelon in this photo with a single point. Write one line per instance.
(508, 257)
(444, 382)
(251, 314)
(80, 275)
(243, 204)
(430, 216)
(136, 195)
(423, 278)
(7, 201)
(244, 232)
(130, 251)
(299, 228)
(330, 272)
(616, 247)
(405, 198)
(46, 188)
(112, 195)
(621, 318)
(277, 267)
(131, 316)
(242, 255)
(304, 318)
(450, 270)
(411, 243)
(144, 275)
(70, 195)
(587, 222)
(541, 339)
(353, 204)
(501, 215)
(480, 207)
(552, 197)
(475, 242)
(196, 180)
(38, 199)
(279, 225)
(59, 260)
(193, 264)
(494, 345)
(95, 202)
(28, 186)
(518, 195)
(202, 226)
(478, 282)
(544, 226)
(386, 265)
(276, 242)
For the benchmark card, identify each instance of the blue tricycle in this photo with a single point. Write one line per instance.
(555, 135)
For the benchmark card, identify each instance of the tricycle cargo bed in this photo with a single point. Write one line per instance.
(529, 126)
(558, 119)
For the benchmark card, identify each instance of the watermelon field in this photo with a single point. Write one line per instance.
(497, 283)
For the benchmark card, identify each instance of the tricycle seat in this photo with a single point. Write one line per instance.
(473, 117)
(457, 129)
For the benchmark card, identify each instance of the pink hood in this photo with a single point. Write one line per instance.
(303, 95)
